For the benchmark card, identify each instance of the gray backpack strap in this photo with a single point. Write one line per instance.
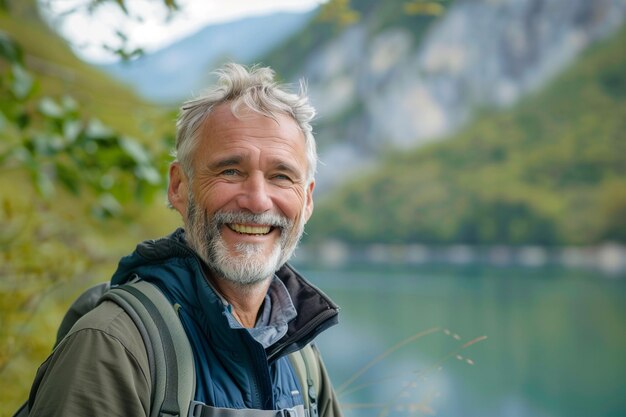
(199, 409)
(306, 365)
(169, 351)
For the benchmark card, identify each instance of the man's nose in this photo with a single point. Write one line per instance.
(254, 195)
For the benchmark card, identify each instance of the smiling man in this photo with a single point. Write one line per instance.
(242, 182)
(249, 197)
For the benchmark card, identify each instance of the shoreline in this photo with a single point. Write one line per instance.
(608, 258)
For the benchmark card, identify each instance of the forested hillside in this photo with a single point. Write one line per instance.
(80, 184)
(551, 170)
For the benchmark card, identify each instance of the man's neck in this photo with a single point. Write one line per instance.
(245, 300)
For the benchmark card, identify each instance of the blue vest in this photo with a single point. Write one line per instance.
(233, 370)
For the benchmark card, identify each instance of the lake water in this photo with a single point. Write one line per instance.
(556, 341)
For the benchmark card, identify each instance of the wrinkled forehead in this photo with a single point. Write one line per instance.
(224, 129)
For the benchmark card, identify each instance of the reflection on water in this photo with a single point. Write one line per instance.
(556, 341)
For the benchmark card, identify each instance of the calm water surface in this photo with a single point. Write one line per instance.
(556, 342)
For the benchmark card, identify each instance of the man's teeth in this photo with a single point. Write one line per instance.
(250, 230)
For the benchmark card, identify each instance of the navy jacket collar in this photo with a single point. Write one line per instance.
(178, 271)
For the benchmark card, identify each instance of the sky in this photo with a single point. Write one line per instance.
(147, 24)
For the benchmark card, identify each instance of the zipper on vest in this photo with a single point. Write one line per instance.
(261, 375)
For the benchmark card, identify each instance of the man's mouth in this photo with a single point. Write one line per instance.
(249, 230)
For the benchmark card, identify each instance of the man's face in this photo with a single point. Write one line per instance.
(248, 202)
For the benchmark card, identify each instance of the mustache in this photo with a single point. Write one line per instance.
(270, 219)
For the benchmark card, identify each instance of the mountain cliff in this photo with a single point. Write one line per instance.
(549, 170)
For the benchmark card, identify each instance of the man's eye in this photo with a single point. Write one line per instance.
(229, 172)
(282, 177)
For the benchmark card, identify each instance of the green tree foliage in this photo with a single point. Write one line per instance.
(550, 171)
(79, 172)
(57, 145)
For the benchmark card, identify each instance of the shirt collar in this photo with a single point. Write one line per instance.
(277, 311)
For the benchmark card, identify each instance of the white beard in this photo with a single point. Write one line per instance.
(249, 265)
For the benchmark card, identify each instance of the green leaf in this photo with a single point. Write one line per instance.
(46, 143)
(122, 5)
(149, 174)
(71, 129)
(48, 107)
(172, 5)
(96, 130)
(69, 105)
(22, 82)
(107, 206)
(133, 149)
(121, 35)
(9, 49)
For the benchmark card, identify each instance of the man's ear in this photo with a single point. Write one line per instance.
(177, 190)
(308, 208)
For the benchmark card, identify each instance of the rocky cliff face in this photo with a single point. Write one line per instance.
(385, 89)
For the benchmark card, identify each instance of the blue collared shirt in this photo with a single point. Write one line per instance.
(277, 311)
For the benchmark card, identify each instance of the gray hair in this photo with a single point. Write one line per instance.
(255, 89)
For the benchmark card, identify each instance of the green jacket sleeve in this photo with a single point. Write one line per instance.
(328, 405)
(100, 369)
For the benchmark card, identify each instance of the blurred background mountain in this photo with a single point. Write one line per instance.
(454, 135)
(178, 71)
